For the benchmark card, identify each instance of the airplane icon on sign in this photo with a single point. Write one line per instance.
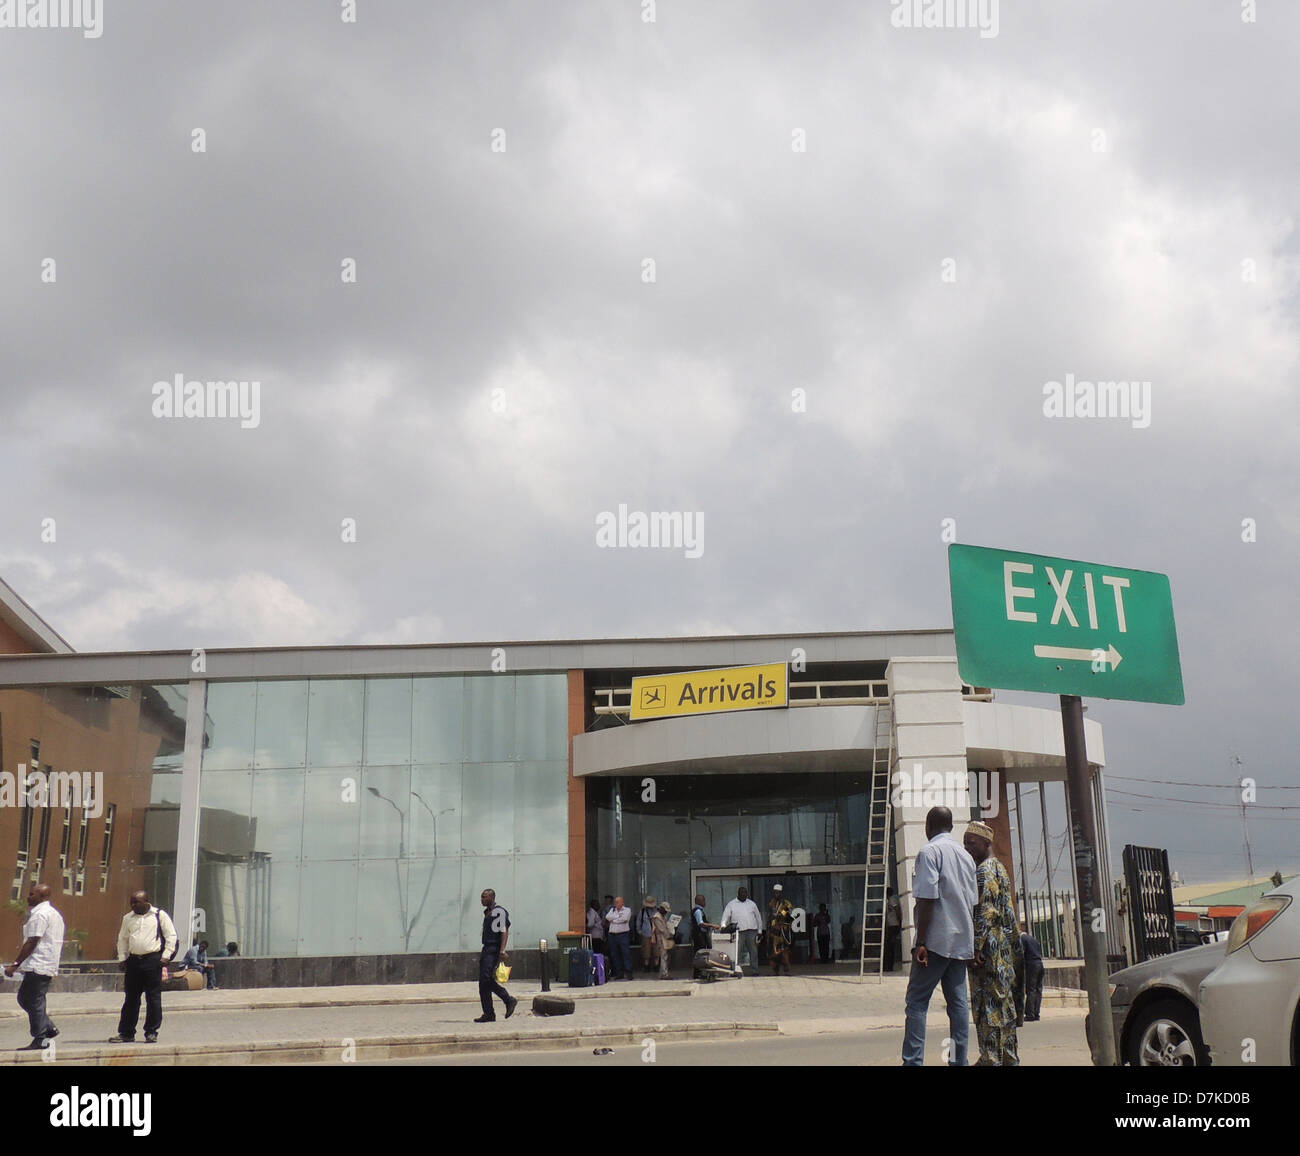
(652, 697)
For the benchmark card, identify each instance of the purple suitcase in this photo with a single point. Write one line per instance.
(600, 967)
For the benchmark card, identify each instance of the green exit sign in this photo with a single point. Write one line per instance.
(1029, 622)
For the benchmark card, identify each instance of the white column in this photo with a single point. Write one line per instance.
(929, 736)
(187, 838)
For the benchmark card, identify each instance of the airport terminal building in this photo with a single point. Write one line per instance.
(354, 801)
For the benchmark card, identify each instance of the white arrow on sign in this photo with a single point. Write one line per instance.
(1083, 654)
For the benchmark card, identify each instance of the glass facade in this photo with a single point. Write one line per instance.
(90, 795)
(730, 830)
(364, 816)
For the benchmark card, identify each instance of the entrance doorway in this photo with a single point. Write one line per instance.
(839, 888)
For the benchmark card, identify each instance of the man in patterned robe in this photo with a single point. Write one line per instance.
(997, 946)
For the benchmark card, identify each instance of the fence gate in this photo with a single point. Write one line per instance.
(1151, 901)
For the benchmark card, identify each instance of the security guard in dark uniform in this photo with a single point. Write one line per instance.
(496, 934)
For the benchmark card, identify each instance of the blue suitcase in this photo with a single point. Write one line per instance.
(582, 965)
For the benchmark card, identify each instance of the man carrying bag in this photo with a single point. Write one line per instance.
(145, 941)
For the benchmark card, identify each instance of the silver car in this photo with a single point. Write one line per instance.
(1250, 1006)
(1155, 1009)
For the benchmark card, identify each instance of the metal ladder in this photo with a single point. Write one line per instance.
(879, 815)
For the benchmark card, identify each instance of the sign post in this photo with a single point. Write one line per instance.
(1083, 825)
(1060, 626)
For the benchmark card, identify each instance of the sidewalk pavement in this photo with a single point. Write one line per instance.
(296, 1025)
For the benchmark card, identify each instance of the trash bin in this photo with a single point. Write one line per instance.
(566, 941)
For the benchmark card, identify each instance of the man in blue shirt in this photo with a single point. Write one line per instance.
(1029, 996)
(496, 934)
(196, 959)
(945, 891)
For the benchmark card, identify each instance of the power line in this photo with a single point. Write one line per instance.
(1206, 802)
(1180, 783)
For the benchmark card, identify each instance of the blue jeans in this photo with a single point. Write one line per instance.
(620, 952)
(920, 987)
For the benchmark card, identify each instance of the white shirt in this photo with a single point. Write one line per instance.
(619, 919)
(45, 924)
(139, 933)
(595, 928)
(744, 915)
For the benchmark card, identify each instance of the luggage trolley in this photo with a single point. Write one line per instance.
(720, 960)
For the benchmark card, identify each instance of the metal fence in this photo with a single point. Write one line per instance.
(1052, 918)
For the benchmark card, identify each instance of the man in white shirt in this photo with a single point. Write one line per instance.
(145, 941)
(748, 920)
(38, 961)
(619, 938)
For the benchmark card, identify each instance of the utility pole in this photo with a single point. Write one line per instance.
(1088, 874)
(1245, 829)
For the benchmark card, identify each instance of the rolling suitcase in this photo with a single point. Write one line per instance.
(600, 968)
(582, 965)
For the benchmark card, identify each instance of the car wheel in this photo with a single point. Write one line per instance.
(1166, 1034)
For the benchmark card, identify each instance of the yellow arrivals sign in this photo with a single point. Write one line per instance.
(709, 691)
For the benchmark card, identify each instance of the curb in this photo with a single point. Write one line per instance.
(363, 1001)
(380, 1048)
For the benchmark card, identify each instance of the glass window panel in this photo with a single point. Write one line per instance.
(281, 733)
(228, 725)
(488, 815)
(385, 812)
(162, 727)
(716, 840)
(435, 813)
(334, 722)
(388, 721)
(664, 834)
(437, 719)
(489, 718)
(436, 901)
(542, 717)
(664, 878)
(542, 808)
(221, 892)
(252, 901)
(763, 833)
(384, 904)
(164, 790)
(618, 831)
(539, 905)
(277, 814)
(227, 791)
(273, 905)
(331, 815)
(327, 912)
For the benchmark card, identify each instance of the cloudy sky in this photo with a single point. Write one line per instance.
(790, 267)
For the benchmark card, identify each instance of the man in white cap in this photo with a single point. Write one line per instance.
(997, 952)
(780, 915)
